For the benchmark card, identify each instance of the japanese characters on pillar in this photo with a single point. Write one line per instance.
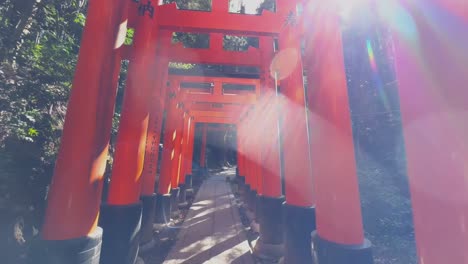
(432, 78)
(75, 192)
(156, 105)
(125, 186)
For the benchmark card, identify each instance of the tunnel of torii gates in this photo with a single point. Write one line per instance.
(319, 211)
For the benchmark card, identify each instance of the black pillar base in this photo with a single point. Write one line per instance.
(189, 192)
(182, 196)
(175, 199)
(197, 177)
(85, 250)
(121, 237)
(251, 200)
(163, 209)
(240, 180)
(269, 245)
(271, 223)
(147, 218)
(205, 173)
(299, 222)
(328, 252)
(245, 191)
(258, 205)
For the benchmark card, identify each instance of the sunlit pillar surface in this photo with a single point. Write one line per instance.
(250, 152)
(269, 245)
(189, 159)
(299, 209)
(121, 215)
(339, 237)
(431, 57)
(157, 106)
(184, 181)
(175, 157)
(149, 196)
(241, 159)
(163, 206)
(75, 192)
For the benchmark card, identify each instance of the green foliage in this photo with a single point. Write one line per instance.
(129, 36)
(39, 43)
(200, 5)
(182, 66)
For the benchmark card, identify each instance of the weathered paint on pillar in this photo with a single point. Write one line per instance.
(75, 192)
(430, 56)
(125, 185)
(338, 208)
(298, 178)
(157, 104)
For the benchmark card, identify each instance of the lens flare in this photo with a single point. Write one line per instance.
(376, 75)
(370, 52)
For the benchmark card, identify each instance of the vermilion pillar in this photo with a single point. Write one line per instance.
(242, 159)
(299, 209)
(339, 237)
(163, 207)
(269, 244)
(71, 218)
(432, 77)
(183, 151)
(245, 149)
(148, 196)
(150, 167)
(248, 150)
(152, 148)
(157, 106)
(185, 182)
(251, 151)
(121, 217)
(189, 158)
(176, 157)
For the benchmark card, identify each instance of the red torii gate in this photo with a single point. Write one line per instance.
(199, 111)
(125, 208)
(76, 188)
